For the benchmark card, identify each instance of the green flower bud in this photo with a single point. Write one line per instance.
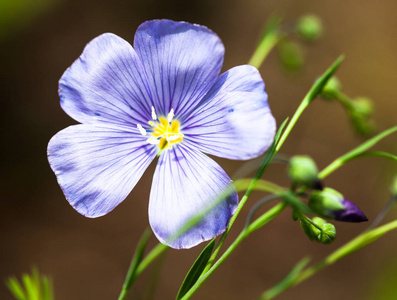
(324, 232)
(363, 106)
(291, 55)
(360, 116)
(331, 204)
(303, 170)
(327, 234)
(326, 201)
(331, 88)
(309, 27)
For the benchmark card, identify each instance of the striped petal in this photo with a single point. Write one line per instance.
(98, 167)
(185, 184)
(182, 62)
(106, 84)
(234, 119)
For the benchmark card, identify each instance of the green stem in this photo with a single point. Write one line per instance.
(261, 221)
(383, 213)
(254, 184)
(258, 204)
(364, 239)
(269, 40)
(344, 100)
(340, 161)
(134, 271)
(156, 252)
(313, 92)
(354, 245)
(310, 96)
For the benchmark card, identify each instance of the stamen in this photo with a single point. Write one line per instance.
(141, 129)
(153, 141)
(163, 131)
(173, 137)
(170, 115)
(154, 116)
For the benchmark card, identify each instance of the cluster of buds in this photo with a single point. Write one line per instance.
(360, 109)
(325, 202)
(308, 28)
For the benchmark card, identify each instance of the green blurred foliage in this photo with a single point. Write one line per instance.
(32, 287)
(384, 285)
(18, 14)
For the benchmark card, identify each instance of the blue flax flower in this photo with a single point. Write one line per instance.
(162, 97)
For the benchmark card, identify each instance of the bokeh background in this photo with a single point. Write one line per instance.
(88, 258)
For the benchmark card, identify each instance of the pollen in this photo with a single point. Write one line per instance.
(162, 131)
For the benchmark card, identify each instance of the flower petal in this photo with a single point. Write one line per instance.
(97, 167)
(182, 62)
(185, 184)
(106, 84)
(234, 119)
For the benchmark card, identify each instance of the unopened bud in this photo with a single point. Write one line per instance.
(361, 116)
(291, 55)
(320, 231)
(309, 27)
(363, 106)
(331, 204)
(331, 88)
(303, 170)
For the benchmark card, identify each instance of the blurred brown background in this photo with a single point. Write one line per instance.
(88, 258)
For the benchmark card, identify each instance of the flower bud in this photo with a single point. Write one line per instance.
(303, 170)
(331, 204)
(360, 116)
(324, 232)
(331, 88)
(364, 106)
(291, 55)
(309, 27)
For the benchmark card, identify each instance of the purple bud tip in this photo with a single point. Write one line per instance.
(351, 213)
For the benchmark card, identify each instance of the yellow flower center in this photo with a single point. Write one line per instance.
(163, 132)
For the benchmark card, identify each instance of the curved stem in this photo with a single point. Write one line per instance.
(383, 213)
(354, 245)
(340, 161)
(257, 205)
(270, 38)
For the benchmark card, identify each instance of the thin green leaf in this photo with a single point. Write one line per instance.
(196, 270)
(311, 94)
(322, 81)
(130, 278)
(16, 289)
(270, 153)
(30, 287)
(47, 289)
(287, 282)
